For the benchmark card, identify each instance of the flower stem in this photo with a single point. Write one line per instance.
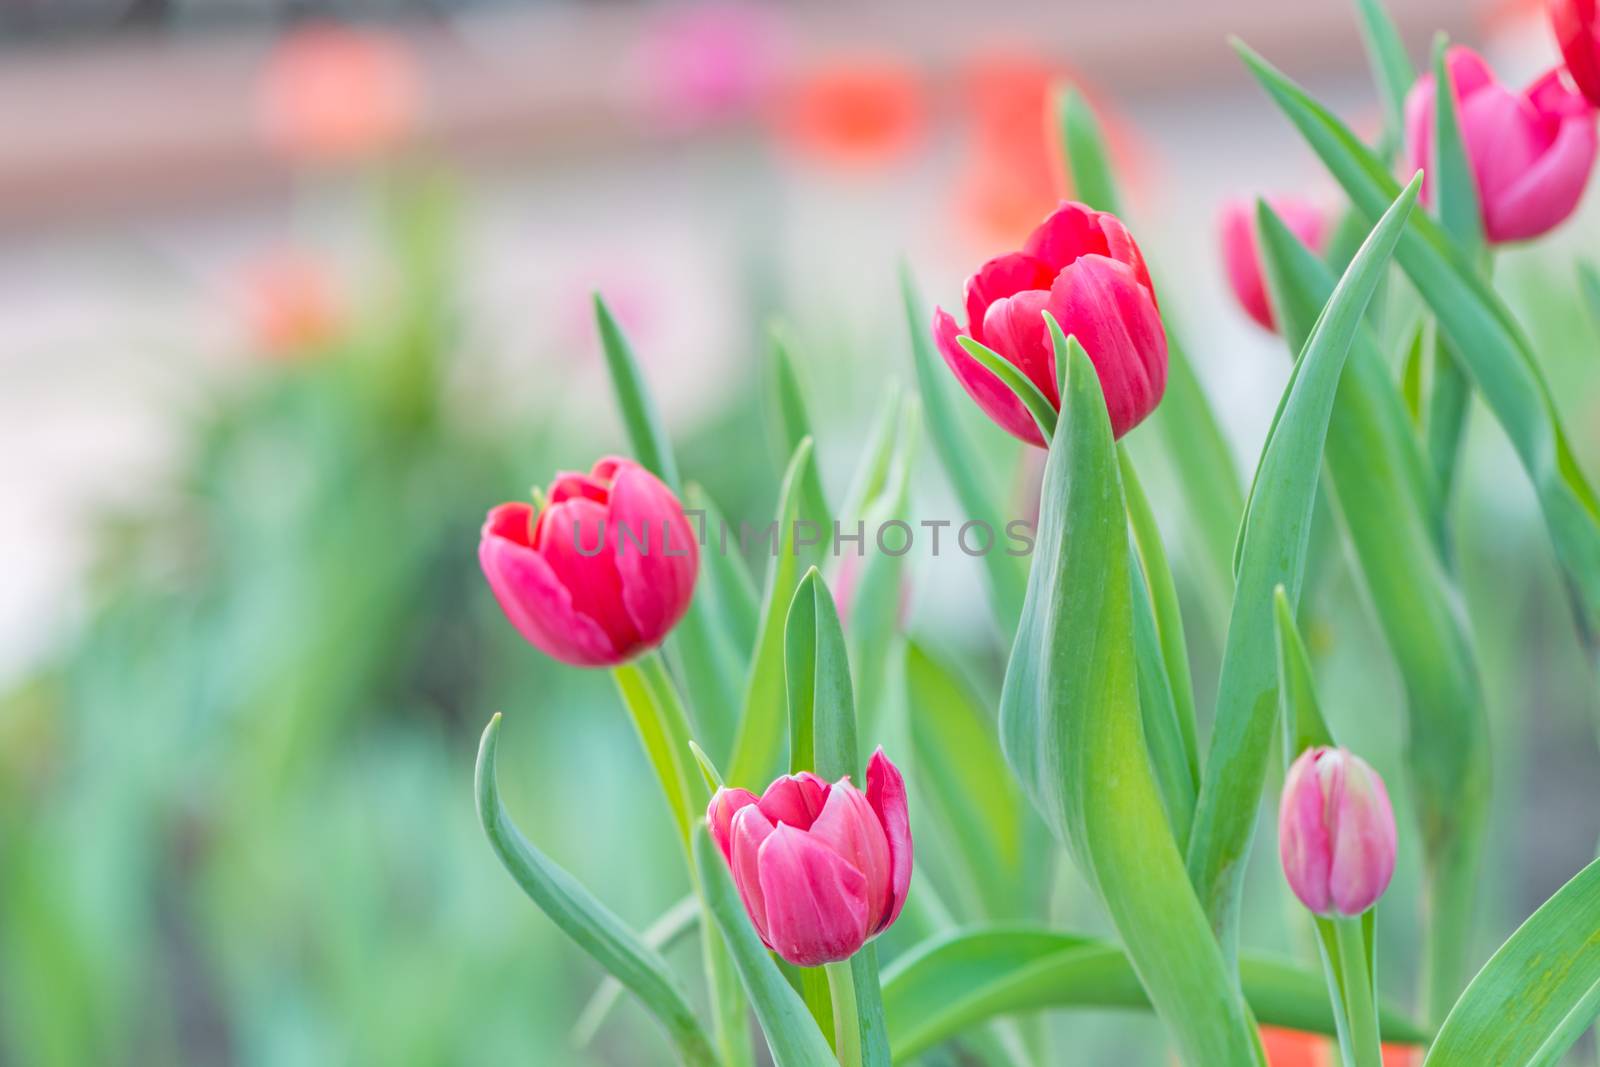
(1360, 1005)
(847, 1031)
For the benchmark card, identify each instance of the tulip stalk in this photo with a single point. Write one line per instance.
(847, 1033)
(1359, 1003)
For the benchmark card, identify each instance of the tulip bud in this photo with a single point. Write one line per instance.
(599, 573)
(1085, 269)
(1241, 249)
(1336, 834)
(1530, 153)
(821, 868)
(1577, 26)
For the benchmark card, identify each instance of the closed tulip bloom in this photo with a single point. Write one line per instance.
(1577, 26)
(1336, 833)
(1084, 268)
(821, 869)
(1530, 152)
(1241, 249)
(600, 571)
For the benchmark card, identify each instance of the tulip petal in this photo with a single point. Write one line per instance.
(795, 799)
(816, 905)
(1014, 327)
(656, 553)
(574, 538)
(570, 485)
(1363, 838)
(719, 816)
(850, 827)
(1546, 190)
(1241, 260)
(1002, 276)
(749, 831)
(886, 794)
(538, 604)
(991, 395)
(1304, 845)
(1114, 317)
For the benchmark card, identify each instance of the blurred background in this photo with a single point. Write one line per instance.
(291, 293)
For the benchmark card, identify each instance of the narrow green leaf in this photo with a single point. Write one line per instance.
(952, 983)
(728, 579)
(1084, 144)
(800, 674)
(1273, 542)
(757, 749)
(794, 426)
(1038, 405)
(1589, 283)
(1007, 576)
(1479, 329)
(708, 770)
(1071, 731)
(1392, 71)
(646, 434)
(663, 729)
(1304, 725)
(872, 471)
(1377, 472)
(1538, 993)
(588, 922)
(792, 1036)
(675, 924)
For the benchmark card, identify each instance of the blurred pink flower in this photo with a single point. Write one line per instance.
(1241, 251)
(330, 94)
(705, 62)
(289, 304)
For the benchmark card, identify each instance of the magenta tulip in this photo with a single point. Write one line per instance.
(1577, 26)
(1085, 269)
(1530, 153)
(822, 869)
(1336, 834)
(1241, 250)
(598, 573)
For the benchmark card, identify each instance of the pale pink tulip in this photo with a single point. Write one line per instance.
(1336, 833)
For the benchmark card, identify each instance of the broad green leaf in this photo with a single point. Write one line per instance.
(794, 426)
(792, 1036)
(1071, 731)
(1273, 540)
(1375, 468)
(951, 983)
(758, 748)
(962, 777)
(1479, 329)
(1184, 420)
(675, 924)
(646, 435)
(1538, 993)
(1007, 575)
(584, 919)
(1392, 71)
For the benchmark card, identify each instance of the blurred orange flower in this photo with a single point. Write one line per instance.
(289, 304)
(855, 111)
(330, 94)
(1293, 1048)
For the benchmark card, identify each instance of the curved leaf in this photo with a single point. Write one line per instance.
(676, 923)
(1538, 993)
(1071, 731)
(1391, 69)
(953, 982)
(639, 416)
(1272, 549)
(583, 918)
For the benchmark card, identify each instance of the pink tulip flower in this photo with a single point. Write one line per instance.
(1577, 26)
(600, 571)
(1085, 269)
(1241, 250)
(822, 869)
(1336, 833)
(1530, 153)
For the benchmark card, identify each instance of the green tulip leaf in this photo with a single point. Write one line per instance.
(640, 418)
(584, 919)
(1589, 283)
(674, 925)
(794, 426)
(1072, 733)
(1538, 993)
(1392, 71)
(951, 983)
(1038, 405)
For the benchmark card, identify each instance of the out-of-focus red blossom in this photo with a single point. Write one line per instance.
(330, 94)
(1085, 269)
(1531, 152)
(1577, 26)
(855, 111)
(707, 62)
(1241, 250)
(1294, 1048)
(821, 869)
(601, 571)
(289, 304)
(1012, 174)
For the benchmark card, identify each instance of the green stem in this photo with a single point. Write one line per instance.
(1359, 1004)
(847, 1033)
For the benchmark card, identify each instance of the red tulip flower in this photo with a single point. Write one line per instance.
(1577, 26)
(1084, 268)
(1531, 152)
(598, 572)
(822, 869)
(1241, 250)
